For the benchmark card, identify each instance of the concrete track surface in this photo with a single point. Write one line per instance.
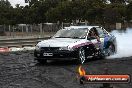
(19, 70)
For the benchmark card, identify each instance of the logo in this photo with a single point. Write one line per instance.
(102, 78)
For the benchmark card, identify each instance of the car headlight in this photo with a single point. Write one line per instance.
(37, 48)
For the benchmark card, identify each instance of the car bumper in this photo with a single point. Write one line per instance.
(58, 55)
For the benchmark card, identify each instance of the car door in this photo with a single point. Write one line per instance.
(91, 45)
(94, 41)
(104, 37)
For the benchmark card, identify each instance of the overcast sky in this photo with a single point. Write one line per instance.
(21, 2)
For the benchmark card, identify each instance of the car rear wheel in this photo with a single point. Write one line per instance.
(111, 49)
(81, 56)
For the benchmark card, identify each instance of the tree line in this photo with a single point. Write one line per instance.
(94, 11)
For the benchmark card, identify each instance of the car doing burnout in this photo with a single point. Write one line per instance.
(74, 42)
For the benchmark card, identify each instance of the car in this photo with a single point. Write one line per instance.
(74, 42)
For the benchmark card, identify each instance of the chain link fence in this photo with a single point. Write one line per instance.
(43, 29)
(40, 30)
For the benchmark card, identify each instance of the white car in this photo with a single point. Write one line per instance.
(74, 42)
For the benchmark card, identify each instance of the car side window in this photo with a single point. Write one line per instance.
(93, 34)
(100, 32)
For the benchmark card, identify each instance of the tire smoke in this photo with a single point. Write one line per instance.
(124, 43)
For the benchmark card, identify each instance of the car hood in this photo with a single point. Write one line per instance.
(57, 42)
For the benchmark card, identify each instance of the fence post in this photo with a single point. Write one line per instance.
(10, 30)
(31, 26)
(13, 30)
(26, 28)
(41, 29)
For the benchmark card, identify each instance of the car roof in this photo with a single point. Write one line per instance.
(89, 27)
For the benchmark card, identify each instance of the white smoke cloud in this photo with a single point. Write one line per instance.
(124, 43)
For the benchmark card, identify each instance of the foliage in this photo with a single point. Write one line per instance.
(94, 11)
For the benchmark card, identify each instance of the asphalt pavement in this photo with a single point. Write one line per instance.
(19, 70)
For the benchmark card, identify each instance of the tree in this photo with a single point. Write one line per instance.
(61, 13)
(40, 11)
(129, 12)
(5, 8)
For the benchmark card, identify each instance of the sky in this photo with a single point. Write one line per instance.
(21, 2)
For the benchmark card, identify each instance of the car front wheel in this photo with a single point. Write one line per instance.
(81, 56)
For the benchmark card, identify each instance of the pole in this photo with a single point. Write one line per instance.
(9, 30)
(41, 29)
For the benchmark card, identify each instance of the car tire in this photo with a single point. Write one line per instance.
(81, 56)
(111, 49)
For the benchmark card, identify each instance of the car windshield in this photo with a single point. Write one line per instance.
(72, 33)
